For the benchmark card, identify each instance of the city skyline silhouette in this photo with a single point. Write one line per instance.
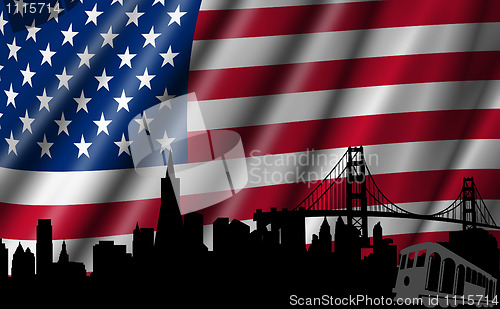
(268, 263)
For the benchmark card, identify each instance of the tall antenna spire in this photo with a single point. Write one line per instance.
(170, 166)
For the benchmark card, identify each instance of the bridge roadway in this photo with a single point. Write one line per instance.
(374, 213)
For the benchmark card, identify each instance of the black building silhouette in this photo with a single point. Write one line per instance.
(193, 233)
(44, 248)
(23, 264)
(111, 262)
(169, 234)
(347, 243)
(477, 246)
(143, 245)
(65, 271)
(383, 251)
(4, 261)
(322, 244)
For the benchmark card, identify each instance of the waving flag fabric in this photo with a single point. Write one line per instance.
(415, 82)
(74, 75)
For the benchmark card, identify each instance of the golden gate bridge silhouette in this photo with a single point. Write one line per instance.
(350, 190)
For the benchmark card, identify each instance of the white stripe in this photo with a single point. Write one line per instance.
(42, 188)
(207, 5)
(228, 113)
(312, 166)
(328, 46)
(70, 188)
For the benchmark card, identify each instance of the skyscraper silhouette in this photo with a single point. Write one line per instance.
(142, 244)
(322, 244)
(193, 233)
(44, 248)
(169, 234)
(347, 243)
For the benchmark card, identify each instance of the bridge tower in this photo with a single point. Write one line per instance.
(356, 203)
(468, 204)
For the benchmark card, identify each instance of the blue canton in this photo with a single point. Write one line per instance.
(74, 74)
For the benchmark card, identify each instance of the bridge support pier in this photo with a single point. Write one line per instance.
(356, 203)
(468, 204)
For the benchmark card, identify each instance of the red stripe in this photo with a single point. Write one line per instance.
(338, 74)
(78, 221)
(398, 187)
(364, 130)
(223, 24)
(96, 220)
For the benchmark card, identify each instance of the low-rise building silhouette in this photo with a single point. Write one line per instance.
(23, 264)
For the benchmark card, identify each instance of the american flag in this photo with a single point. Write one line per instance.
(414, 81)
(78, 79)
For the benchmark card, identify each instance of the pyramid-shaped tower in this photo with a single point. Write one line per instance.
(169, 236)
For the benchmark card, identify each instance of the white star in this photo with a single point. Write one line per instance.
(145, 79)
(123, 144)
(45, 147)
(11, 96)
(92, 15)
(32, 30)
(85, 57)
(83, 147)
(55, 11)
(102, 124)
(151, 37)
(165, 99)
(13, 49)
(63, 125)
(27, 75)
(19, 5)
(126, 58)
(68, 35)
(82, 102)
(175, 17)
(64, 79)
(144, 123)
(47, 55)
(165, 142)
(44, 100)
(108, 37)
(117, 1)
(103, 80)
(168, 57)
(12, 143)
(162, 2)
(27, 121)
(123, 101)
(1, 117)
(3, 22)
(133, 17)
